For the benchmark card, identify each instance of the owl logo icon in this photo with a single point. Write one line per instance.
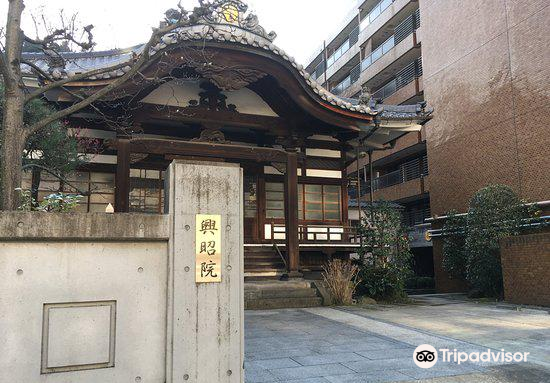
(425, 356)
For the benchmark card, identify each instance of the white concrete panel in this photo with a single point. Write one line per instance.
(34, 273)
(77, 335)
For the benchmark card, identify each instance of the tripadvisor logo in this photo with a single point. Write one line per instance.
(426, 356)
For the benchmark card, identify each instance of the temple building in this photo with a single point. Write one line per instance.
(219, 89)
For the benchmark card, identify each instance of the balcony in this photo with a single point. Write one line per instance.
(406, 182)
(406, 78)
(396, 46)
(380, 15)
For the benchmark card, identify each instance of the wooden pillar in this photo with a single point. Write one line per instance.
(291, 216)
(122, 181)
(344, 201)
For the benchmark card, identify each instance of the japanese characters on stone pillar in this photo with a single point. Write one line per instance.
(205, 340)
(208, 244)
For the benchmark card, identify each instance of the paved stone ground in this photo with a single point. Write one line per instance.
(347, 345)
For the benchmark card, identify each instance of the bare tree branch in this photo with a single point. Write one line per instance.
(141, 63)
(77, 77)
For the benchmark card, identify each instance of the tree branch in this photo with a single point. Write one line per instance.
(139, 64)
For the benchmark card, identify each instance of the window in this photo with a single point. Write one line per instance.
(274, 200)
(146, 191)
(101, 186)
(315, 202)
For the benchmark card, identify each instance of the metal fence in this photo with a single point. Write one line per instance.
(404, 77)
(408, 171)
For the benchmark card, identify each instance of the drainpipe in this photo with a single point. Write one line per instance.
(358, 184)
(371, 179)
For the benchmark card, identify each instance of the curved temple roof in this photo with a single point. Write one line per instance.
(218, 21)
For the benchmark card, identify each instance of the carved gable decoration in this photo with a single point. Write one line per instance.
(212, 98)
(229, 78)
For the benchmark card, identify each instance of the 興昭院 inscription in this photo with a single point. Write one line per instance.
(208, 248)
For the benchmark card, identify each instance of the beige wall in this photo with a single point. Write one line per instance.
(487, 74)
(55, 311)
(114, 298)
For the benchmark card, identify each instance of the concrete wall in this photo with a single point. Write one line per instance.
(526, 269)
(112, 298)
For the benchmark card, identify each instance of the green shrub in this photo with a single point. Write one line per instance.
(471, 245)
(416, 282)
(454, 238)
(384, 282)
(384, 255)
(425, 283)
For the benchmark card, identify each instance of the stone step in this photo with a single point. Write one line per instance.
(281, 285)
(262, 275)
(281, 303)
(280, 294)
(262, 258)
(258, 264)
(300, 293)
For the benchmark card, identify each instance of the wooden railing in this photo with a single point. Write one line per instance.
(313, 233)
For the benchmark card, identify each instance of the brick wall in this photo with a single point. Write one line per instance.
(486, 73)
(526, 269)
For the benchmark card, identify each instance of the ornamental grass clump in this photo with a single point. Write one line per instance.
(341, 280)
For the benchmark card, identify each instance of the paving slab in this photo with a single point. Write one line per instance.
(348, 345)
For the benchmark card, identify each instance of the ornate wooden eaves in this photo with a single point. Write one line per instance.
(204, 149)
(273, 125)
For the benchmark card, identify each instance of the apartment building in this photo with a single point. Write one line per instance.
(483, 67)
(378, 46)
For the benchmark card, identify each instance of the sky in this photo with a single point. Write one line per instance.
(301, 25)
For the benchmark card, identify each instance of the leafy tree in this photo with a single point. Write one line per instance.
(471, 247)
(385, 254)
(53, 148)
(454, 237)
(13, 40)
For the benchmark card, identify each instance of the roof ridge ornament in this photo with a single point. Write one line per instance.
(366, 98)
(231, 12)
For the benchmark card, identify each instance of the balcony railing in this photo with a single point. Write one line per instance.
(417, 168)
(404, 77)
(338, 53)
(404, 29)
(374, 13)
(411, 218)
(353, 37)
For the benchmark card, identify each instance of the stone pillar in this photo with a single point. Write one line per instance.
(205, 336)
(291, 216)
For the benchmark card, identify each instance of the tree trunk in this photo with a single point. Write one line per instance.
(12, 143)
(13, 135)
